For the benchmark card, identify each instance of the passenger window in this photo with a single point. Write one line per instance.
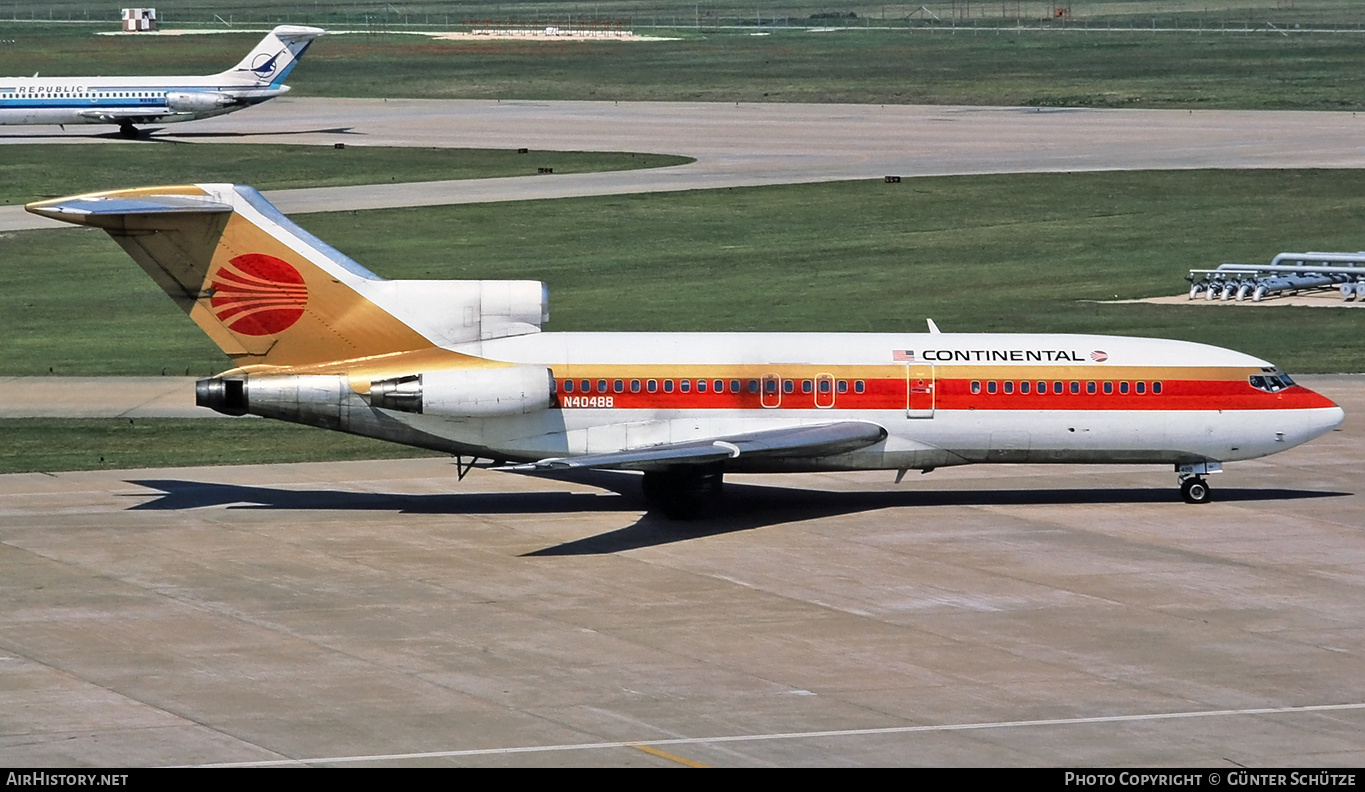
(1075, 387)
(1141, 387)
(770, 386)
(652, 386)
(1042, 388)
(1123, 387)
(701, 386)
(843, 386)
(1057, 387)
(618, 386)
(1090, 388)
(719, 386)
(825, 386)
(990, 387)
(601, 386)
(1108, 388)
(668, 386)
(1009, 386)
(734, 386)
(976, 386)
(568, 386)
(634, 386)
(858, 386)
(585, 386)
(788, 386)
(1156, 388)
(685, 386)
(753, 386)
(807, 386)
(1023, 387)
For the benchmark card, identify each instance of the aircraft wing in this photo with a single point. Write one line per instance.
(115, 115)
(812, 441)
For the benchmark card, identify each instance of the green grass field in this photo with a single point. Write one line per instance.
(1022, 253)
(654, 13)
(939, 66)
(45, 171)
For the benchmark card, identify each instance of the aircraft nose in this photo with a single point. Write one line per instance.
(1321, 420)
(1333, 418)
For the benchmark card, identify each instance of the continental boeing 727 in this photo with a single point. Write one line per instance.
(157, 100)
(464, 368)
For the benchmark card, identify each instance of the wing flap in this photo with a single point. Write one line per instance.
(811, 441)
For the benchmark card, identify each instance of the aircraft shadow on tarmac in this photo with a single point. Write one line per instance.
(145, 135)
(744, 506)
(332, 131)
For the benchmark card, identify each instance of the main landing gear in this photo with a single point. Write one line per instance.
(127, 130)
(683, 492)
(1193, 487)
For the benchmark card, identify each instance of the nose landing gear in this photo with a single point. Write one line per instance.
(1195, 490)
(1193, 487)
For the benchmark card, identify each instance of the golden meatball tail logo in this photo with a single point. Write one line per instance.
(257, 295)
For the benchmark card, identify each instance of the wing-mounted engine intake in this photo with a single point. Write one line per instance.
(467, 393)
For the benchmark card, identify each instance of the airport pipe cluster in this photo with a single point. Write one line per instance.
(1287, 273)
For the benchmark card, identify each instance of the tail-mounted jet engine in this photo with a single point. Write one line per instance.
(467, 393)
(198, 101)
(324, 400)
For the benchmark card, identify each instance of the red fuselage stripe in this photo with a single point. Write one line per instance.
(946, 394)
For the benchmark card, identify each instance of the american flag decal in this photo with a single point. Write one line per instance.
(903, 355)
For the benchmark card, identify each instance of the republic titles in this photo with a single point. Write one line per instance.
(48, 90)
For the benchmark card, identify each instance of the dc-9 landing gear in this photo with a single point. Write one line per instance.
(1193, 487)
(1195, 490)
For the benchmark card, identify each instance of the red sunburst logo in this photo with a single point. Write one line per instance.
(255, 294)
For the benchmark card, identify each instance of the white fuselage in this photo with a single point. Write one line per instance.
(944, 399)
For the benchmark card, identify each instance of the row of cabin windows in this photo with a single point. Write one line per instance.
(96, 95)
(713, 386)
(1059, 387)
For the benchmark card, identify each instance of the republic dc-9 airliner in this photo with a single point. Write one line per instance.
(463, 367)
(127, 101)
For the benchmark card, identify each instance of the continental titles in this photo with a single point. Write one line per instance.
(1001, 356)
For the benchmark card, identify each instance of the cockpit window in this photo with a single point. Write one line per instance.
(1271, 381)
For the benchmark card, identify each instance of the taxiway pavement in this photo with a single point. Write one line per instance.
(369, 613)
(745, 145)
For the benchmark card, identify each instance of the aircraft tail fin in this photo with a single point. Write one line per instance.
(262, 288)
(270, 62)
(269, 293)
